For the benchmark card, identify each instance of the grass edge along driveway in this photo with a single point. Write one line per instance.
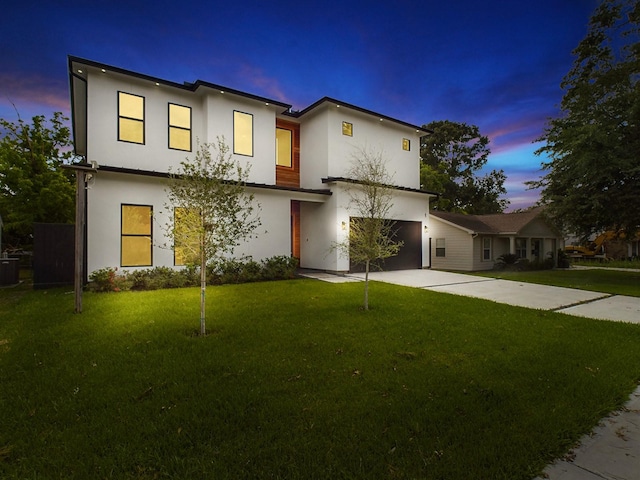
(295, 381)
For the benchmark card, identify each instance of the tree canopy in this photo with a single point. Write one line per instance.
(452, 158)
(33, 186)
(592, 179)
(371, 233)
(210, 210)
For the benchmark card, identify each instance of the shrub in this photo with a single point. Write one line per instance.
(107, 280)
(223, 271)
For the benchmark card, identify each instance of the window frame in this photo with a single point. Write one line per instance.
(129, 235)
(290, 148)
(235, 148)
(441, 251)
(125, 117)
(521, 247)
(170, 126)
(486, 251)
(347, 128)
(406, 144)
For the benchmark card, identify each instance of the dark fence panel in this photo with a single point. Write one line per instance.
(53, 255)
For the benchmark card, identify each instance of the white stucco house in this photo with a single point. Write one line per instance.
(474, 242)
(131, 129)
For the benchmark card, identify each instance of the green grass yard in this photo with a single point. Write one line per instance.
(296, 382)
(597, 280)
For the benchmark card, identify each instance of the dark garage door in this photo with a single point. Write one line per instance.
(410, 255)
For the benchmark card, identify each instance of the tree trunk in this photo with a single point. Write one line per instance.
(366, 286)
(203, 290)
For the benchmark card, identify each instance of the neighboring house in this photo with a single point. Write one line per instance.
(133, 129)
(474, 242)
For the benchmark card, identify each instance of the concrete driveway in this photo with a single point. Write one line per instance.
(568, 300)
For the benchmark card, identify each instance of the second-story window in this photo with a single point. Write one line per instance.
(130, 118)
(283, 147)
(179, 127)
(347, 129)
(242, 133)
(406, 144)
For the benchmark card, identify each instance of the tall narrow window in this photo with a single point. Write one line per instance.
(130, 118)
(185, 236)
(136, 236)
(440, 247)
(486, 248)
(406, 144)
(347, 129)
(242, 133)
(283, 147)
(179, 127)
(521, 247)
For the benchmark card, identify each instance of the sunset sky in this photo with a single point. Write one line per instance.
(496, 64)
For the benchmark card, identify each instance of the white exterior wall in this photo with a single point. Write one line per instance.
(326, 152)
(110, 191)
(211, 117)
(102, 118)
(458, 246)
(322, 227)
(314, 151)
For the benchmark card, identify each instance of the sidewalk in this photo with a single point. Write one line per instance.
(612, 450)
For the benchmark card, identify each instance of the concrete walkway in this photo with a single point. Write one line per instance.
(612, 450)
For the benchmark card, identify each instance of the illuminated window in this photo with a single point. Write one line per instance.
(179, 127)
(347, 129)
(486, 248)
(406, 144)
(283, 147)
(440, 248)
(242, 133)
(136, 235)
(130, 118)
(186, 247)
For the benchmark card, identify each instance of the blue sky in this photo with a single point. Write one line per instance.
(496, 64)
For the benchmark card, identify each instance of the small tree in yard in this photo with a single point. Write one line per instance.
(212, 210)
(371, 234)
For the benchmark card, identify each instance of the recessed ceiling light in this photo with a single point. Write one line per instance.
(104, 71)
(79, 71)
(157, 84)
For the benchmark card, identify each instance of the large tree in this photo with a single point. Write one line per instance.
(210, 210)
(371, 234)
(33, 186)
(592, 179)
(452, 158)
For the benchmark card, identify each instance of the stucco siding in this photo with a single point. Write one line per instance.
(110, 191)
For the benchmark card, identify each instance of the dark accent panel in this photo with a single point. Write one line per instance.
(53, 255)
(410, 255)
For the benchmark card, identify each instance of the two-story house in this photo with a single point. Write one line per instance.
(133, 129)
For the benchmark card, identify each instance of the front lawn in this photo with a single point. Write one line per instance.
(598, 280)
(295, 381)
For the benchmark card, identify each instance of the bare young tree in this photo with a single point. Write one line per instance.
(371, 232)
(212, 210)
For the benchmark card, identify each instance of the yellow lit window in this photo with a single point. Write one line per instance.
(242, 133)
(179, 127)
(130, 118)
(186, 245)
(347, 129)
(406, 144)
(136, 236)
(283, 147)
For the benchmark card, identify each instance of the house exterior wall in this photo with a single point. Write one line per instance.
(110, 190)
(324, 152)
(458, 246)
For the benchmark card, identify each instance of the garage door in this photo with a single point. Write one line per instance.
(410, 255)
